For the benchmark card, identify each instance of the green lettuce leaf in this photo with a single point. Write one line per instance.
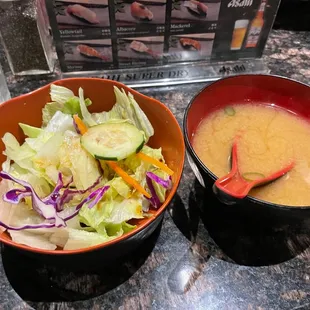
(86, 115)
(48, 143)
(40, 184)
(30, 131)
(121, 187)
(74, 158)
(6, 165)
(72, 106)
(110, 216)
(60, 94)
(79, 239)
(154, 153)
(60, 122)
(36, 144)
(95, 216)
(23, 156)
(140, 169)
(47, 157)
(160, 190)
(20, 154)
(49, 111)
(117, 230)
(126, 108)
(64, 100)
(133, 162)
(125, 209)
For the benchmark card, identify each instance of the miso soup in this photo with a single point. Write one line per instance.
(270, 138)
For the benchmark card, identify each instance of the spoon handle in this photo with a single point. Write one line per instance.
(234, 185)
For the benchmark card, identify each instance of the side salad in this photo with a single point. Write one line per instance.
(82, 178)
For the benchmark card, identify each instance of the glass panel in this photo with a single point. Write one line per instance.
(20, 37)
(4, 91)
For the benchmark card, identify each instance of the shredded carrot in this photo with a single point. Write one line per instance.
(155, 162)
(127, 178)
(80, 124)
(118, 170)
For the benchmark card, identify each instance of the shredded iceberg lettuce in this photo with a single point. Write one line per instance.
(77, 162)
(86, 115)
(56, 194)
(126, 108)
(63, 100)
(30, 131)
(60, 94)
(110, 217)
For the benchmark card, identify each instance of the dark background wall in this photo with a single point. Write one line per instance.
(293, 15)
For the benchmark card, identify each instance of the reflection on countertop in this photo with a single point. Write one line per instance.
(198, 259)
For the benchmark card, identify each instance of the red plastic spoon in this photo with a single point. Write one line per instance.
(234, 186)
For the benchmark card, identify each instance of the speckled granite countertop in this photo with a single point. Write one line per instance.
(193, 262)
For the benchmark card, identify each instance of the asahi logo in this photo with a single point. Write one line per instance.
(239, 3)
(255, 31)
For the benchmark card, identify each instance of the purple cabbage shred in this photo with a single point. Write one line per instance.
(150, 176)
(51, 207)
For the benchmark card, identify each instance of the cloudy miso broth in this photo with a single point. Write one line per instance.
(270, 138)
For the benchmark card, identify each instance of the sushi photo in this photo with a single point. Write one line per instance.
(141, 48)
(184, 11)
(188, 43)
(191, 46)
(197, 8)
(95, 51)
(82, 13)
(90, 52)
(140, 12)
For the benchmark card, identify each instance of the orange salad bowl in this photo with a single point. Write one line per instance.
(168, 135)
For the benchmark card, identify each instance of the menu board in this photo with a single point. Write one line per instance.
(114, 34)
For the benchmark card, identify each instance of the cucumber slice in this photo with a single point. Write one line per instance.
(113, 141)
